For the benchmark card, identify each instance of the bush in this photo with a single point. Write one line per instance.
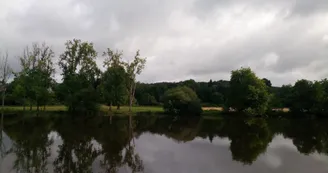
(181, 101)
(248, 93)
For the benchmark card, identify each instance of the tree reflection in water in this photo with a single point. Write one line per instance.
(104, 144)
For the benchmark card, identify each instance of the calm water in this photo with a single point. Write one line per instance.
(160, 145)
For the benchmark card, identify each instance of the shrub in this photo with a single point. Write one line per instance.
(181, 101)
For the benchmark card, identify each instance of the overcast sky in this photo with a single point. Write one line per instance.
(282, 40)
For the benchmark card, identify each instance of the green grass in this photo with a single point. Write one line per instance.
(135, 109)
(34, 108)
(124, 110)
(103, 108)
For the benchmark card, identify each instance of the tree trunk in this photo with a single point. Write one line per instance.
(37, 109)
(30, 107)
(2, 112)
(44, 108)
(3, 100)
(118, 107)
(3, 108)
(24, 103)
(132, 90)
(130, 97)
(110, 107)
(130, 122)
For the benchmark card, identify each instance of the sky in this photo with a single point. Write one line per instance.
(282, 40)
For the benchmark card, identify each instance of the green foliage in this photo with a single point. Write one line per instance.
(84, 86)
(181, 101)
(248, 93)
(217, 98)
(80, 77)
(133, 69)
(147, 99)
(210, 93)
(33, 82)
(113, 82)
(307, 96)
(281, 96)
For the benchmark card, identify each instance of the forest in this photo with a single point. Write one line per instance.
(84, 87)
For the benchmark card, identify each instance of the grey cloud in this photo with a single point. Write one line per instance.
(296, 7)
(198, 39)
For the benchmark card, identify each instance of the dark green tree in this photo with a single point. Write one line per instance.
(281, 96)
(80, 77)
(306, 96)
(267, 82)
(114, 79)
(147, 99)
(217, 98)
(33, 82)
(248, 93)
(181, 101)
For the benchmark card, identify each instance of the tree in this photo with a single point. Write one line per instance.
(133, 69)
(40, 75)
(307, 96)
(248, 93)
(281, 96)
(267, 82)
(147, 99)
(80, 76)
(22, 89)
(217, 98)
(114, 79)
(181, 101)
(33, 82)
(5, 72)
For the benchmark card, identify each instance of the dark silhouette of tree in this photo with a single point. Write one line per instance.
(267, 82)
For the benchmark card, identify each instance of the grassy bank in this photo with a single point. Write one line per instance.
(123, 110)
(103, 108)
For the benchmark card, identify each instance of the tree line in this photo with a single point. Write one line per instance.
(84, 86)
(245, 92)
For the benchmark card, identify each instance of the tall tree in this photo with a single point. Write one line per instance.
(133, 69)
(35, 78)
(41, 73)
(80, 76)
(5, 72)
(114, 79)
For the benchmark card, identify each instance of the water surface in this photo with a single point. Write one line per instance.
(163, 145)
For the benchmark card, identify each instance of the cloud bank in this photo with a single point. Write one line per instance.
(200, 39)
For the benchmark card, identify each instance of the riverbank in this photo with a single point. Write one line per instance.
(124, 110)
(103, 108)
